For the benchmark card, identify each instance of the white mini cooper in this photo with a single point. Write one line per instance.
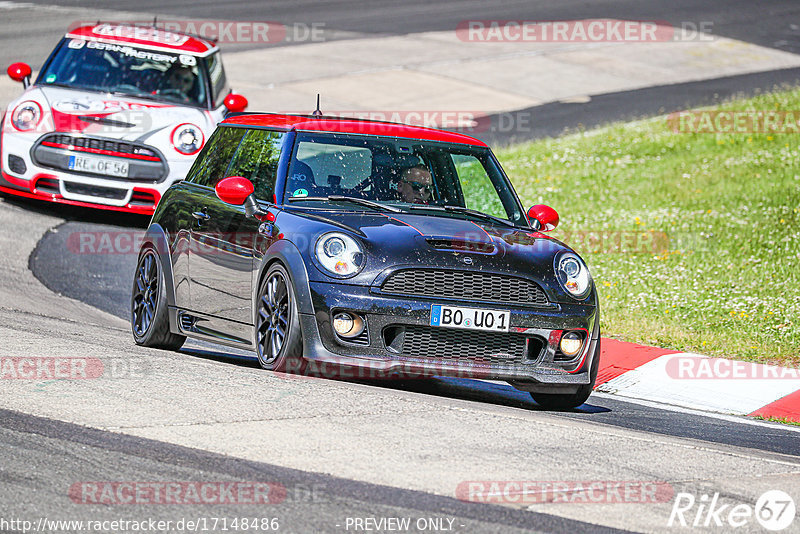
(115, 116)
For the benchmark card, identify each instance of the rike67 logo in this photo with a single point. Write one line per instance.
(774, 510)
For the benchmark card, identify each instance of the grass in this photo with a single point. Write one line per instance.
(778, 420)
(709, 257)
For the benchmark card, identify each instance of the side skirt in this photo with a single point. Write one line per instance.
(213, 329)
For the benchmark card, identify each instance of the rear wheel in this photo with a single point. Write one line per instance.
(279, 343)
(149, 316)
(568, 401)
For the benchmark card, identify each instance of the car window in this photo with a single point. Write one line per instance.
(210, 166)
(336, 165)
(123, 69)
(216, 75)
(400, 172)
(257, 160)
(478, 190)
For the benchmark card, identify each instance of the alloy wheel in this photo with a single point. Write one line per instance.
(145, 296)
(273, 318)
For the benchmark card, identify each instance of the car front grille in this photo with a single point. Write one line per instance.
(465, 285)
(145, 163)
(453, 346)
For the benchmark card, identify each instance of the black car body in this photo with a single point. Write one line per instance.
(355, 270)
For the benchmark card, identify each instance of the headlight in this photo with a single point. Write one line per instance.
(27, 115)
(573, 275)
(187, 139)
(339, 254)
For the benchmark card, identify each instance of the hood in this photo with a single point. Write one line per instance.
(409, 240)
(112, 116)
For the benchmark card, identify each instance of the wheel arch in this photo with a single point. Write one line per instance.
(156, 238)
(285, 253)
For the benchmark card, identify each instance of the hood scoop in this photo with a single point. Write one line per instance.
(106, 121)
(460, 245)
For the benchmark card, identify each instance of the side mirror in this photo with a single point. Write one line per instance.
(234, 190)
(20, 72)
(238, 191)
(235, 103)
(542, 218)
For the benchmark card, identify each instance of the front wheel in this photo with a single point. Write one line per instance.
(568, 401)
(149, 316)
(279, 343)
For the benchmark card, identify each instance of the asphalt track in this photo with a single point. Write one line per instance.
(772, 23)
(31, 443)
(313, 503)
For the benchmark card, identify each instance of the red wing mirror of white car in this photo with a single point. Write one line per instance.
(234, 190)
(20, 72)
(543, 216)
(235, 103)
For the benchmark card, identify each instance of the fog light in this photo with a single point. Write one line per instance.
(17, 164)
(348, 324)
(571, 343)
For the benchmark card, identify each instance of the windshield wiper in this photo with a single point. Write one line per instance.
(377, 206)
(466, 211)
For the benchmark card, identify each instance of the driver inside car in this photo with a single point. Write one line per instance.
(415, 185)
(179, 80)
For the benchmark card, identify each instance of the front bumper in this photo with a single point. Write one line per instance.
(44, 177)
(537, 329)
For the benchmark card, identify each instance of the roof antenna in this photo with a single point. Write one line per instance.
(317, 112)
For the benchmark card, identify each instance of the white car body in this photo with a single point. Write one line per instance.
(110, 150)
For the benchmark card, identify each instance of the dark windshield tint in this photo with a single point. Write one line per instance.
(257, 160)
(127, 70)
(400, 172)
(210, 166)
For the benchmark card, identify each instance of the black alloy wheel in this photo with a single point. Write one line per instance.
(278, 341)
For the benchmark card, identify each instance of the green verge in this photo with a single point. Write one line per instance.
(693, 239)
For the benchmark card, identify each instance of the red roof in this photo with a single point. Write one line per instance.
(350, 126)
(143, 36)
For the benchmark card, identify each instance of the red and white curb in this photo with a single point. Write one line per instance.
(698, 382)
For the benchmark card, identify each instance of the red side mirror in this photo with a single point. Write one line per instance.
(235, 103)
(234, 190)
(20, 72)
(545, 215)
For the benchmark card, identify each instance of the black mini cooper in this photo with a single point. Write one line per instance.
(382, 248)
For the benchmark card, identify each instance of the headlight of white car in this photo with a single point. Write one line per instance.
(27, 115)
(339, 254)
(187, 139)
(573, 275)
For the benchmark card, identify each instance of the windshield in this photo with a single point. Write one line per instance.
(405, 173)
(128, 70)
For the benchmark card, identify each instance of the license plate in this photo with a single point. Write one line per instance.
(470, 318)
(105, 166)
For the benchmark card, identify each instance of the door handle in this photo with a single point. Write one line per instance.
(201, 216)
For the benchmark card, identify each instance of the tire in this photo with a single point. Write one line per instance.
(149, 314)
(278, 339)
(568, 401)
